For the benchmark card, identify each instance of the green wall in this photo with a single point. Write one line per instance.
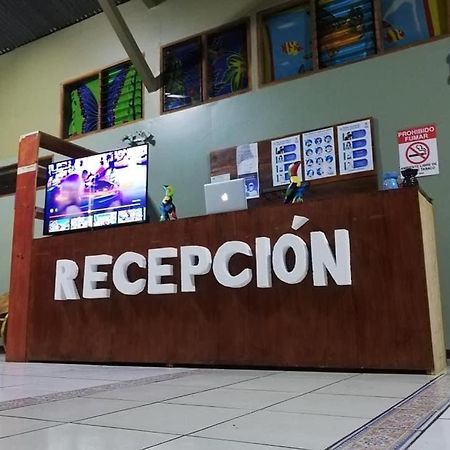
(403, 89)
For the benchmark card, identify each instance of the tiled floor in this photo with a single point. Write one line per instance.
(79, 407)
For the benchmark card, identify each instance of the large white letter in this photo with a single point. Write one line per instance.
(156, 270)
(323, 259)
(263, 263)
(222, 260)
(300, 270)
(120, 273)
(92, 277)
(195, 260)
(66, 272)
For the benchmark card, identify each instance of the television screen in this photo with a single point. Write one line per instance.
(97, 191)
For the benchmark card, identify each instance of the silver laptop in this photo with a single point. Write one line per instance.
(225, 196)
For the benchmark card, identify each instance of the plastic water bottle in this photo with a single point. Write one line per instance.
(390, 181)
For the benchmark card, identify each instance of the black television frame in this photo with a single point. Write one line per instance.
(146, 219)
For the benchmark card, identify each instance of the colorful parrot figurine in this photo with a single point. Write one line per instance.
(296, 190)
(167, 208)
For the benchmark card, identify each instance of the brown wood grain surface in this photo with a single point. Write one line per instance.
(380, 322)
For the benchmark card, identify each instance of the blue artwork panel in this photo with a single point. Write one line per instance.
(182, 74)
(345, 31)
(287, 44)
(408, 21)
(227, 61)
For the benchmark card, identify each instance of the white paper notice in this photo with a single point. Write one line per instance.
(355, 147)
(219, 178)
(247, 158)
(319, 154)
(284, 152)
(247, 168)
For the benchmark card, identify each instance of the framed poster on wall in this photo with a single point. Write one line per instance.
(319, 154)
(355, 147)
(285, 151)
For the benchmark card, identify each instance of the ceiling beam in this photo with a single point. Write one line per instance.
(125, 36)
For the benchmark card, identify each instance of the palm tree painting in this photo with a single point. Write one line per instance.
(227, 61)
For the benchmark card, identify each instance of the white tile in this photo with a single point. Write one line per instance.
(337, 405)
(79, 437)
(10, 380)
(373, 388)
(217, 379)
(300, 382)
(17, 392)
(12, 425)
(446, 414)
(283, 429)
(117, 373)
(234, 398)
(149, 393)
(71, 410)
(167, 418)
(437, 437)
(196, 443)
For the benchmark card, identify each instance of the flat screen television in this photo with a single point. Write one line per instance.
(97, 191)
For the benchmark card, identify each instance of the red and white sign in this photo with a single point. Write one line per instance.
(418, 149)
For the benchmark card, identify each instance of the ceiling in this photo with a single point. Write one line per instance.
(24, 21)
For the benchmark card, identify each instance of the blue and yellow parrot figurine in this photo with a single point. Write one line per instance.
(167, 208)
(296, 189)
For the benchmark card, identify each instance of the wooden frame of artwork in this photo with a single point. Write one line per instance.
(204, 63)
(99, 74)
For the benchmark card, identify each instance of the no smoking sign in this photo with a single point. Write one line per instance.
(417, 153)
(418, 150)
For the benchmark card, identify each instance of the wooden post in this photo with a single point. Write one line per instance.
(24, 213)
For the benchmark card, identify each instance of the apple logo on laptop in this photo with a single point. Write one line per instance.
(224, 197)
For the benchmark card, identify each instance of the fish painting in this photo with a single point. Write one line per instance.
(291, 48)
(392, 34)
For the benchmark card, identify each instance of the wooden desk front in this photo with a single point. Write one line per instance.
(389, 318)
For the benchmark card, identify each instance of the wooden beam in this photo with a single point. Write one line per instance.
(24, 214)
(63, 147)
(125, 36)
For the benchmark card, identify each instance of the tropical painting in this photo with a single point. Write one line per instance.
(81, 107)
(287, 44)
(121, 95)
(409, 21)
(345, 30)
(227, 61)
(182, 75)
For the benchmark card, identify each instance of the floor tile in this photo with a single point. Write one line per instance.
(167, 418)
(437, 437)
(446, 414)
(80, 437)
(16, 392)
(216, 379)
(115, 373)
(71, 410)
(195, 443)
(373, 388)
(337, 405)
(292, 382)
(234, 398)
(283, 429)
(12, 425)
(149, 393)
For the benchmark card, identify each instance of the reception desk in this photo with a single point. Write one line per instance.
(383, 314)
